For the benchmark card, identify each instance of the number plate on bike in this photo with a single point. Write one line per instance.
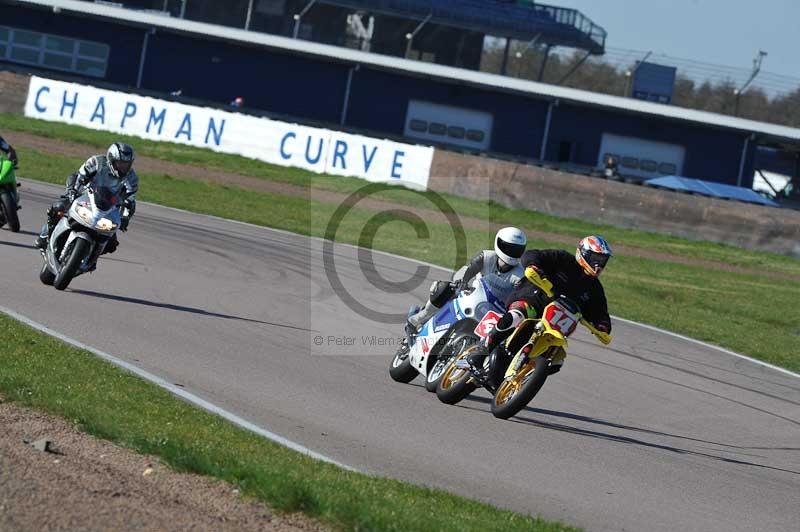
(487, 324)
(560, 318)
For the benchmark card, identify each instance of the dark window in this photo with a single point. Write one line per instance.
(667, 169)
(418, 125)
(648, 166)
(436, 128)
(62, 62)
(564, 151)
(475, 135)
(456, 132)
(630, 162)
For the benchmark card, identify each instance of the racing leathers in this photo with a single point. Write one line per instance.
(94, 170)
(499, 276)
(528, 300)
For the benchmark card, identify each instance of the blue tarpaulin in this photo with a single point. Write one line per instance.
(709, 188)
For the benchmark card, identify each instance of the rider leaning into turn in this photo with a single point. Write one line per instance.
(114, 169)
(576, 277)
(499, 268)
(9, 150)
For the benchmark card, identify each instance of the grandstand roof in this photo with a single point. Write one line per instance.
(468, 77)
(523, 20)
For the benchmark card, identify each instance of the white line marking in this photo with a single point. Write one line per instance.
(642, 325)
(704, 344)
(177, 390)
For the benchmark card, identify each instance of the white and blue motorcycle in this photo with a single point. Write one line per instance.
(451, 330)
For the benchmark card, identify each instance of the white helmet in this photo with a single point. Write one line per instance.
(509, 244)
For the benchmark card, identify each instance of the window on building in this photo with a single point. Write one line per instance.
(456, 132)
(475, 135)
(648, 165)
(630, 162)
(436, 128)
(54, 51)
(418, 125)
(667, 169)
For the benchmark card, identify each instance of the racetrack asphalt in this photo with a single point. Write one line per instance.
(651, 433)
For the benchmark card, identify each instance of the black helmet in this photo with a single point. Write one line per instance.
(120, 159)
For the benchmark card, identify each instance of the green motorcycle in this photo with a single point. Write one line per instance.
(9, 199)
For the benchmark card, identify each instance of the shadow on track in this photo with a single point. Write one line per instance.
(17, 245)
(587, 419)
(180, 308)
(633, 441)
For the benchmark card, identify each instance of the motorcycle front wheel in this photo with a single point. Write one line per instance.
(455, 383)
(514, 393)
(401, 369)
(80, 250)
(45, 275)
(449, 352)
(10, 211)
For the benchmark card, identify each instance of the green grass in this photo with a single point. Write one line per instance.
(489, 211)
(41, 372)
(743, 312)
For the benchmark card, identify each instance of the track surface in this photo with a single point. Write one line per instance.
(655, 433)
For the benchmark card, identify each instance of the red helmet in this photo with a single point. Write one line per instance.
(592, 254)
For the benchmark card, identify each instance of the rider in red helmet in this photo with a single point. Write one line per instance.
(576, 277)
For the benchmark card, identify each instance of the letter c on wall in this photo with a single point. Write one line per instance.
(286, 137)
(39, 108)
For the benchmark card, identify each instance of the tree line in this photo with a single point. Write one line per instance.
(596, 75)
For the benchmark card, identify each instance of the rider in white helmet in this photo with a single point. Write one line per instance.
(500, 268)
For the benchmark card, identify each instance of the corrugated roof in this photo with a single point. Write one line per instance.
(482, 79)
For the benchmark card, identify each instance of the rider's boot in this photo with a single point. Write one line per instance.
(44, 236)
(417, 320)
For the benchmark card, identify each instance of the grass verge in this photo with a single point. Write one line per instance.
(41, 372)
(178, 153)
(742, 312)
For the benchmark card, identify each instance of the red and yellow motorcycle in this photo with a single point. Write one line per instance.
(538, 346)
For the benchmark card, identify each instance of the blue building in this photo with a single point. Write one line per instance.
(378, 94)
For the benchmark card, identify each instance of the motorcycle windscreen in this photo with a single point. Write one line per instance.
(105, 198)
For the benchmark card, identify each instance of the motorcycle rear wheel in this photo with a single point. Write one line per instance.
(515, 393)
(80, 250)
(455, 383)
(10, 211)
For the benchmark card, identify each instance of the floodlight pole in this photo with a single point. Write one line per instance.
(410, 36)
(249, 15)
(299, 16)
(544, 62)
(574, 68)
(756, 69)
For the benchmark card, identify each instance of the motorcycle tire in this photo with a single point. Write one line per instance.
(10, 211)
(522, 389)
(458, 344)
(401, 369)
(80, 250)
(46, 276)
(455, 384)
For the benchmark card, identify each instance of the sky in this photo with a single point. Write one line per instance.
(726, 32)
